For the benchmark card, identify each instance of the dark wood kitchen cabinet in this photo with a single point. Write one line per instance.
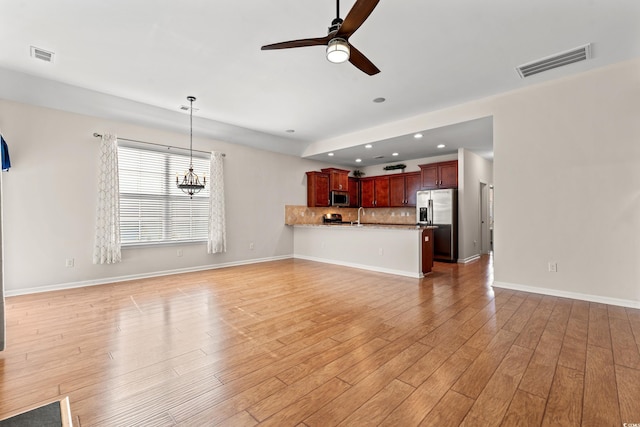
(427, 250)
(374, 192)
(354, 192)
(318, 189)
(440, 175)
(403, 188)
(338, 179)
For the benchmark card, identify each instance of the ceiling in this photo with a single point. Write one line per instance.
(138, 61)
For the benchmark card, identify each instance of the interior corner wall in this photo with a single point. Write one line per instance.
(50, 199)
(472, 170)
(567, 186)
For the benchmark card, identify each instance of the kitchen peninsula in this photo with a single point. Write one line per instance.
(387, 240)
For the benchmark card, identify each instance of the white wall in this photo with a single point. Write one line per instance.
(472, 170)
(49, 201)
(567, 186)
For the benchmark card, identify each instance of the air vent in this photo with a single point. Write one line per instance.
(42, 54)
(379, 157)
(578, 54)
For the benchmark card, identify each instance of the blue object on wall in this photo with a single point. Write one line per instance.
(6, 161)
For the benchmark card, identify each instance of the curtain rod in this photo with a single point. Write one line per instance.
(97, 135)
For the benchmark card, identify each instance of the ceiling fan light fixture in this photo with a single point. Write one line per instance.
(338, 50)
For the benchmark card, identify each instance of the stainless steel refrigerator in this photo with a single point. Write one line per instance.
(440, 208)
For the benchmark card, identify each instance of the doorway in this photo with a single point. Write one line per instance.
(486, 218)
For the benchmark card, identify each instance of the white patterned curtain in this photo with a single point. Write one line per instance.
(106, 248)
(217, 240)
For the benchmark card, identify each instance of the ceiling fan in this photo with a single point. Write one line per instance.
(337, 41)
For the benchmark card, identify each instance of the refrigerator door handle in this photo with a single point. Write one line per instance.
(430, 212)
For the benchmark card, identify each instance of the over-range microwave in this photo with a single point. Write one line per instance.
(339, 198)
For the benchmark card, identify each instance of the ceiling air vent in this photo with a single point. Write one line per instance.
(578, 54)
(42, 54)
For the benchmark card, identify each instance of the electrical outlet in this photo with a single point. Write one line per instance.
(69, 262)
(553, 267)
(179, 253)
(380, 251)
(251, 246)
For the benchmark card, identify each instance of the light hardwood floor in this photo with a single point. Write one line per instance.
(298, 343)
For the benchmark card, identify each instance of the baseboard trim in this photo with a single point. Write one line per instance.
(469, 259)
(361, 266)
(565, 294)
(116, 279)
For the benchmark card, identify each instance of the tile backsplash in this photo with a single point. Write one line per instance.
(305, 215)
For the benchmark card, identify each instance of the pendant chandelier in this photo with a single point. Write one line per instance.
(190, 182)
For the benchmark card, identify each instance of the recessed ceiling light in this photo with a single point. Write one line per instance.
(368, 146)
(379, 100)
(441, 145)
(358, 160)
(417, 136)
(330, 154)
(394, 154)
(290, 130)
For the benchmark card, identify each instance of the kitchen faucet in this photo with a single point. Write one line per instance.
(359, 215)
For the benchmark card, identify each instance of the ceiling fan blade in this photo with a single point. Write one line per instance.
(357, 15)
(298, 43)
(362, 62)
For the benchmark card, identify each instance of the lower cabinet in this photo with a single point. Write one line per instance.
(427, 250)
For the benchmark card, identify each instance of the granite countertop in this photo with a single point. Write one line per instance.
(368, 225)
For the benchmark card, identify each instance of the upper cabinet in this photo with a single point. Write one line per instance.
(440, 175)
(318, 189)
(354, 192)
(374, 192)
(403, 188)
(338, 179)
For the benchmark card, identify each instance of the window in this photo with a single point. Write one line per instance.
(152, 208)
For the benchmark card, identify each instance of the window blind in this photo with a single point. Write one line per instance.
(152, 208)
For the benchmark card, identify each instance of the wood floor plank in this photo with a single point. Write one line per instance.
(601, 406)
(625, 349)
(308, 404)
(474, 380)
(420, 403)
(449, 412)
(599, 330)
(379, 406)
(295, 342)
(539, 374)
(211, 408)
(525, 410)
(628, 381)
(564, 406)
(491, 405)
(341, 407)
(305, 385)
